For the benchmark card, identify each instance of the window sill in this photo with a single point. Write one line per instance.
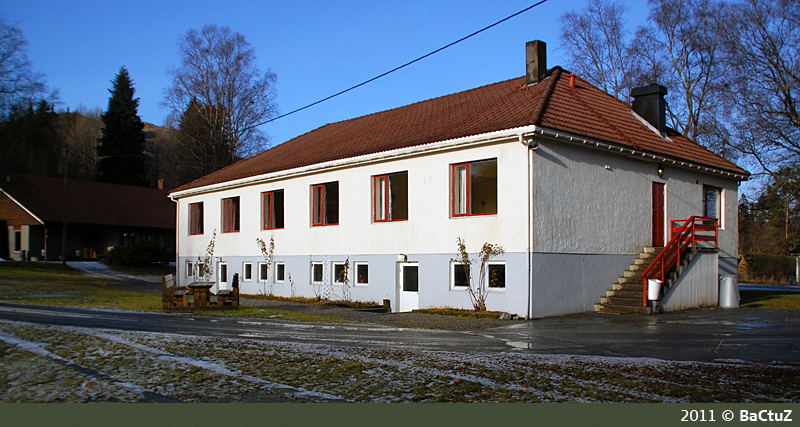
(472, 215)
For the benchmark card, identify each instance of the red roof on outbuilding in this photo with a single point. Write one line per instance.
(94, 203)
(552, 103)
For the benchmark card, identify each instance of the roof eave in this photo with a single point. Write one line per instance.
(28, 211)
(382, 156)
(638, 153)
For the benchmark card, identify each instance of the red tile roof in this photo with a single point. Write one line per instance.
(552, 103)
(93, 203)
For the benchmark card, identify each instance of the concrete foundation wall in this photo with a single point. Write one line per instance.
(435, 288)
(698, 286)
(572, 283)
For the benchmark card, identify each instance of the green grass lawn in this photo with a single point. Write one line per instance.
(774, 300)
(54, 284)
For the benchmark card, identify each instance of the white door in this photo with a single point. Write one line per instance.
(408, 287)
(222, 272)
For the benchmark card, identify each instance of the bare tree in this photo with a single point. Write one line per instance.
(679, 48)
(682, 50)
(219, 84)
(596, 46)
(81, 131)
(20, 85)
(762, 41)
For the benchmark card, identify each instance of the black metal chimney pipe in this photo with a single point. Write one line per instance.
(648, 102)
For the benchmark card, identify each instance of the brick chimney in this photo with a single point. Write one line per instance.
(536, 61)
(648, 102)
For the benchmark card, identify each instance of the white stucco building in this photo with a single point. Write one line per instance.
(569, 180)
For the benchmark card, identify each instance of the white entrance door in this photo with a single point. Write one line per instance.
(408, 287)
(222, 271)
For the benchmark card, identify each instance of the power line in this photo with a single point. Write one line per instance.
(400, 67)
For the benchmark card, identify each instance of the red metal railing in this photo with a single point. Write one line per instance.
(684, 236)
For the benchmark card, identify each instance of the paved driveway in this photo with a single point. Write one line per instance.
(711, 334)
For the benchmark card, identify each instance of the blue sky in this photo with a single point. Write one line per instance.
(315, 48)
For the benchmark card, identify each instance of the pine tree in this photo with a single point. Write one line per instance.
(122, 146)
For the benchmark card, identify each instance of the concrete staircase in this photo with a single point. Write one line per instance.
(626, 295)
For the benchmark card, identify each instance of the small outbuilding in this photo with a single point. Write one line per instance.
(99, 216)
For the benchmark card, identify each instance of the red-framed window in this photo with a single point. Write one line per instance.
(230, 215)
(325, 204)
(196, 218)
(390, 197)
(272, 209)
(473, 188)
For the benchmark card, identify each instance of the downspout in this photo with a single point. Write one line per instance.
(531, 145)
(177, 242)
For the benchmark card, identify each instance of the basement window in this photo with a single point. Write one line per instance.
(390, 197)
(325, 204)
(196, 218)
(272, 209)
(496, 275)
(316, 273)
(458, 275)
(230, 215)
(189, 269)
(280, 272)
(263, 271)
(339, 273)
(362, 274)
(247, 271)
(474, 188)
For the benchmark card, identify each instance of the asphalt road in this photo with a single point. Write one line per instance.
(755, 335)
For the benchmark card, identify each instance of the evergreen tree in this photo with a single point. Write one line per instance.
(122, 146)
(31, 142)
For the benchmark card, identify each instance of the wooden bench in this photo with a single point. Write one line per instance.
(227, 297)
(173, 296)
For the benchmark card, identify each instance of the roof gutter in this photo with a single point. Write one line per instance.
(635, 153)
(383, 156)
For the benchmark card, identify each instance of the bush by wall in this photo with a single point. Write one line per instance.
(776, 268)
(140, 254)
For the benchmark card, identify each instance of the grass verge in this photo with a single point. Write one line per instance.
(54, 284)
(773, 300)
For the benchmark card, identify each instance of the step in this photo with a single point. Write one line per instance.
(625, 293)
(606, 308)
(627, 287)
(636, 279)
(642, 261)
(627, 302)
(652, 249)
(637, 267)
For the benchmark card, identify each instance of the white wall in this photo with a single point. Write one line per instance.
(429, 229)
(588, 202)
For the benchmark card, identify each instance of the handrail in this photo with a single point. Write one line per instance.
(684, 236)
